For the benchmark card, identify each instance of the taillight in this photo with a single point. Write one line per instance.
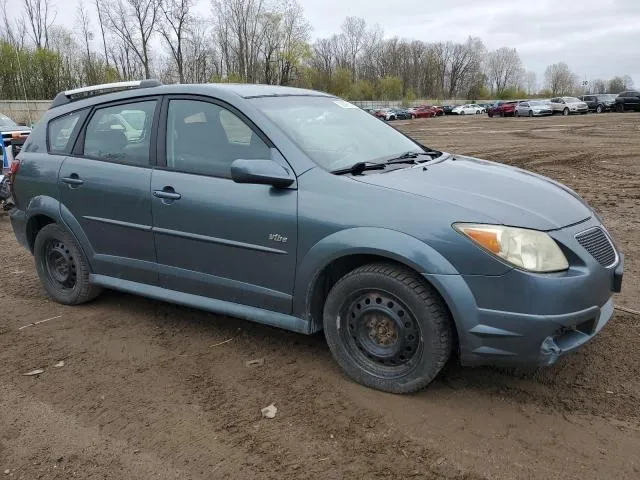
(15, 166)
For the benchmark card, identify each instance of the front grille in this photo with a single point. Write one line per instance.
(597, 243)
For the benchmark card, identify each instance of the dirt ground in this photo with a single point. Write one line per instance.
(149, 391)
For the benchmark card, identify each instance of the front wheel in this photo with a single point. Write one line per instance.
(565, 112)
(530, 113)
(62, 266)
(387, 328)
(599, 109)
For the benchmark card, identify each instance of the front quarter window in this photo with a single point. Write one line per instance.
(335, 134)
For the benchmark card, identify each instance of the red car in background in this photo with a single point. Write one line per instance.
(503, 109)
(422, 111)
(439, 112)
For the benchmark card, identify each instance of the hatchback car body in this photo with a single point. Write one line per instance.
(299, 210)
(568, 105)
(533, 108)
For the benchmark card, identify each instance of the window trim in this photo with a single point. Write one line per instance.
(83, 112)
(161, 144)
(78, 148)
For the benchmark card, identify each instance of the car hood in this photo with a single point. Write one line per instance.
(509, 195)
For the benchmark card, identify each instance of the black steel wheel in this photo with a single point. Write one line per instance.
(387, 328)
(382, 333)
(62, 266)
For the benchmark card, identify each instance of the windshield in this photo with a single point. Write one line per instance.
(335, 134)
(536, 103)
(7, 122)
(571, 100)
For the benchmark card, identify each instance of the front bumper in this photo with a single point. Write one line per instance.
(523, 318)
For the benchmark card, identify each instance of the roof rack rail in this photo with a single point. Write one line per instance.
(84, 92)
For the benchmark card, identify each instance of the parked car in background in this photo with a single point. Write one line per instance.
(446, 109)
(599, 102)
(422, 111)
(439, 111)
(405, 256)
(533, 108)
(468, 109)
(11, 129)
(568, 105)
(503, 109)
(629, 100)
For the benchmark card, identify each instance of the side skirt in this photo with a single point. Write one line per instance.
(244, 312)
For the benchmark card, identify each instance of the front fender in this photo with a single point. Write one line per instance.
(385, 243)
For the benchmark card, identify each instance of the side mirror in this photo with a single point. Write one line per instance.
(261, 172)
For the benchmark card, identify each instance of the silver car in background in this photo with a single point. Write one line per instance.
(567, 105)
(533, 108)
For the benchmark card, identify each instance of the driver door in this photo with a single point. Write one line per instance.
(214, 237)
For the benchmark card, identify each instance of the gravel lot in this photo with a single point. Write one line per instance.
(148, 391)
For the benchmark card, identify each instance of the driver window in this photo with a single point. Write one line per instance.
(205, 138)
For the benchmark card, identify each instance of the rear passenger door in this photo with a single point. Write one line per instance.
(214, 237)
(104, 188)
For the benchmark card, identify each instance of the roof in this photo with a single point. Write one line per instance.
(247, 90)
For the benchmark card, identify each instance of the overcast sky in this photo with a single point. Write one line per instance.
(596, 38)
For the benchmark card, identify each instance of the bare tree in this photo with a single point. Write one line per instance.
(102, 32)
(84, 25)
(134, 22)
(504, 69)
(354, 34)
(40, 17)
(560, 80)
(598, 86)
(240, 32)
(174, 27)
(531, 82)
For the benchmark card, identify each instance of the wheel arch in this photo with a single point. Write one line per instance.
(331, 258)
(43, 210)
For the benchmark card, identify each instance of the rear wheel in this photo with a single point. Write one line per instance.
(599, 109)
(387, 328)
(565, 112)
(530, 113)
(62, 266)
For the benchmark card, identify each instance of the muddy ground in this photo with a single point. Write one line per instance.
(148, 391)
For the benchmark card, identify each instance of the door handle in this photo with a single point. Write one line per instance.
(167, 193)
(73, 180)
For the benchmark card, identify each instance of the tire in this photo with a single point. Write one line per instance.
(461, 112)
(516, 114)
(403, 307)
(490, 115)
(599, 109)
(530, 113)
(565, 112)
(62, 266)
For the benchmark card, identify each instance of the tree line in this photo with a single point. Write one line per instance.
(255, 41)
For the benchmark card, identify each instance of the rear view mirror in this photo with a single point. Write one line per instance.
(262, 172)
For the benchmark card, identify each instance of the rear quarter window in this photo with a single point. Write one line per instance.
(61, 131)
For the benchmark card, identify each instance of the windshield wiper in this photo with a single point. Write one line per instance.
(410, 157)
(359, 167)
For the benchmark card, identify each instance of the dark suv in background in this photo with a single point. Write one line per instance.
(599, 102)
(299, 210)
(629, 100)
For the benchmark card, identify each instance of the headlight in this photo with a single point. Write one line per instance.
(527, 249)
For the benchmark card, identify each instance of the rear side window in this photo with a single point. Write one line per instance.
(121, 133)
(60, 132)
